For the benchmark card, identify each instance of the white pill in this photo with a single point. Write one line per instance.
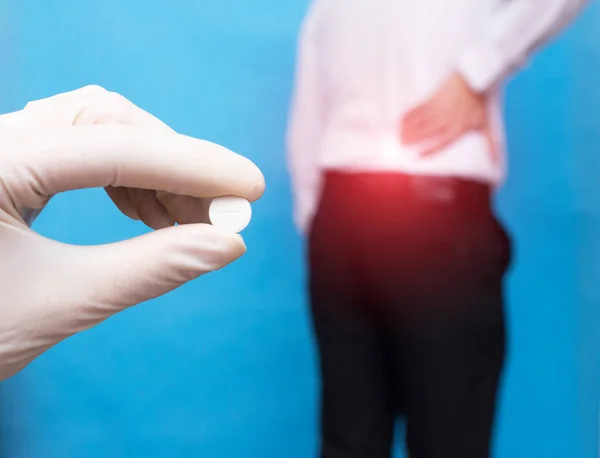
(230, 213)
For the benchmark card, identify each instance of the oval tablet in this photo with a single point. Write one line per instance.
(230, 213)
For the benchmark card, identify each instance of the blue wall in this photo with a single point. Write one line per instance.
(224, 367)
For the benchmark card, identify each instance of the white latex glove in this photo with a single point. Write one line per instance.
(95, 138)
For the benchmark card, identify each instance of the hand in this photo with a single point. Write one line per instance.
(453, 111)
(95, 138)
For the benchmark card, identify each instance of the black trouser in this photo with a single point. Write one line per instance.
(406, 293)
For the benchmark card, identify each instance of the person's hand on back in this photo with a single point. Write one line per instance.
(95, 138)
(453, 111)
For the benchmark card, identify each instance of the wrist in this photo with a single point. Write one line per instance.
(481, 68)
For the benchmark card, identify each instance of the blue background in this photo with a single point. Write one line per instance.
(225, 367)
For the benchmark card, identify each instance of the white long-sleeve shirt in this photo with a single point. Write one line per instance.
(363, 64)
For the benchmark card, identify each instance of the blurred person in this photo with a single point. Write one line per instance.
(395, 147)
(95, 138)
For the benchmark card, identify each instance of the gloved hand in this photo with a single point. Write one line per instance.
(91, 138)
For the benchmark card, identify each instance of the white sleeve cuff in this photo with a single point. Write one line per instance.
(482, 67)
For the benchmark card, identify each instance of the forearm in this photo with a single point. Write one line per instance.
(517, 30)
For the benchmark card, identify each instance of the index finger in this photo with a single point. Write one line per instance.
(137, 157)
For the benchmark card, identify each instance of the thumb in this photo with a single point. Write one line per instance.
(126, 273)
(53, 290)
